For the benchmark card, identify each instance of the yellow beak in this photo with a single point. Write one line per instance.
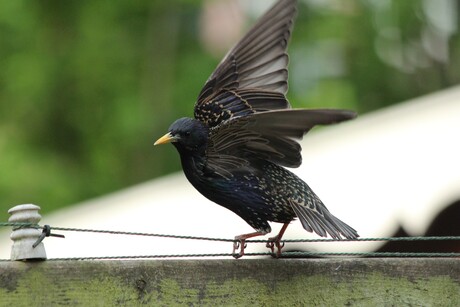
(167, 138)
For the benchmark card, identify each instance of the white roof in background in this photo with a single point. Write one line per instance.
(397, 166)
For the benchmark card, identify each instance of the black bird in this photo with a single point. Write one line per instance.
(235, 149)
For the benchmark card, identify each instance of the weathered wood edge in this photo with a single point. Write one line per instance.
(336, 281)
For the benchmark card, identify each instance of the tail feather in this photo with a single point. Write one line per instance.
(322, 222)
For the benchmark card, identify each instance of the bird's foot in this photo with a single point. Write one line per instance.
(239, 244)
(275, 242)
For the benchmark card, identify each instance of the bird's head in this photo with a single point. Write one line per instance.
(186, 134)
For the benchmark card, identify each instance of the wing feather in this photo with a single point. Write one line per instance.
(270, 135)
(257, 64)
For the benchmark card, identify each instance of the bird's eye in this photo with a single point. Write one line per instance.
(187, 133)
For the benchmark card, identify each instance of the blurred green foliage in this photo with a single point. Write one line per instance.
(87, 86)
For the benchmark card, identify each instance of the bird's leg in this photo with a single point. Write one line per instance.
(275, 241)
(240, 243)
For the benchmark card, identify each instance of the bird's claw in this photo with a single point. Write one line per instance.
(275, 242)
(239, 245)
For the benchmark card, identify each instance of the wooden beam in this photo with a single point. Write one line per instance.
(258, 282)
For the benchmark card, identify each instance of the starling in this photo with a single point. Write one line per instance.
(235, 150)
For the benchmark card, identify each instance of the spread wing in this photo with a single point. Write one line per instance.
(253, 75)
(267, 136)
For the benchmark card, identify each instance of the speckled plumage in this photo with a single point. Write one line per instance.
(235, 150)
